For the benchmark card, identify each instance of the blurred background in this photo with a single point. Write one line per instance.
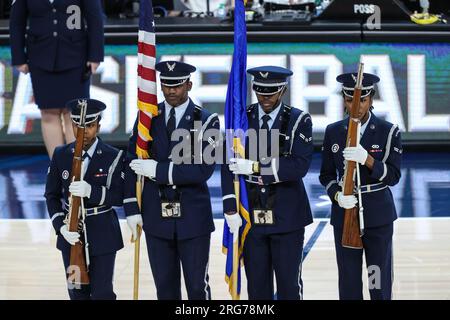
(316, 39)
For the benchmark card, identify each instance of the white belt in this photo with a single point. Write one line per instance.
(91, 211)
(372, 187)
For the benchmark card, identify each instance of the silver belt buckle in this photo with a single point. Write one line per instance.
(170, 209)
(263, 217)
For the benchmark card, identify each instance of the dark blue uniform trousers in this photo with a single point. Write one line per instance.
(377, 244)
(165, 256)
(101, 270)
(266, 253)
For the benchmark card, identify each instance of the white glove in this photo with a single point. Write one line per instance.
(133, 222)
(234, 221)
(144, 167)
(241, 166)
(357, 154)
(346, 202)
(80, 189)
(71, 237)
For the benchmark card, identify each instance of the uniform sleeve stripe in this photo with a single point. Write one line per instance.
(274, 170)
(102, 200)
(128, 200)
(170, 173)
(295, 129)
(330, 184)
(58, 214)
(229, 196)
(388, 150)
(112, 168)
(205, 125)
(388, 144)
(384, 172)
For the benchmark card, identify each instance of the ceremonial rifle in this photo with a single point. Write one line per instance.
(352, 231)
(78, 271)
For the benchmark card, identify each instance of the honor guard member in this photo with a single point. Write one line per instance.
(101, 187)
(279, 205)
(176, 210)
(379, 157)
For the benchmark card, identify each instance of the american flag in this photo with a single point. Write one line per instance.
(147, 96)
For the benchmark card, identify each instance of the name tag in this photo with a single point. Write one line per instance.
(263, 217)
(170, 209)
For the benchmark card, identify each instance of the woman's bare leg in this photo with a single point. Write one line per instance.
(52, 130)
(67, 126)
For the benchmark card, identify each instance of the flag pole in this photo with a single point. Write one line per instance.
(236, 255)
(147, 106)
(137, 242)
(236, 265)
(137, 248)
(234, 294)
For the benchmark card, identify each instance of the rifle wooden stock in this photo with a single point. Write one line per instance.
(351, 237)
(77, 253)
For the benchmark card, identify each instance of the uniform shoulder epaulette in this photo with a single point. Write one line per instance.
(251, 107)
(306, 116)
(197, 113)
(286, 111)
(160, 108)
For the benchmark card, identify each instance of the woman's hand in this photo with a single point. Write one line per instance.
(94, 66)
(23, 68)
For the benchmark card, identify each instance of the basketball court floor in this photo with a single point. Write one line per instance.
(31, 267)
